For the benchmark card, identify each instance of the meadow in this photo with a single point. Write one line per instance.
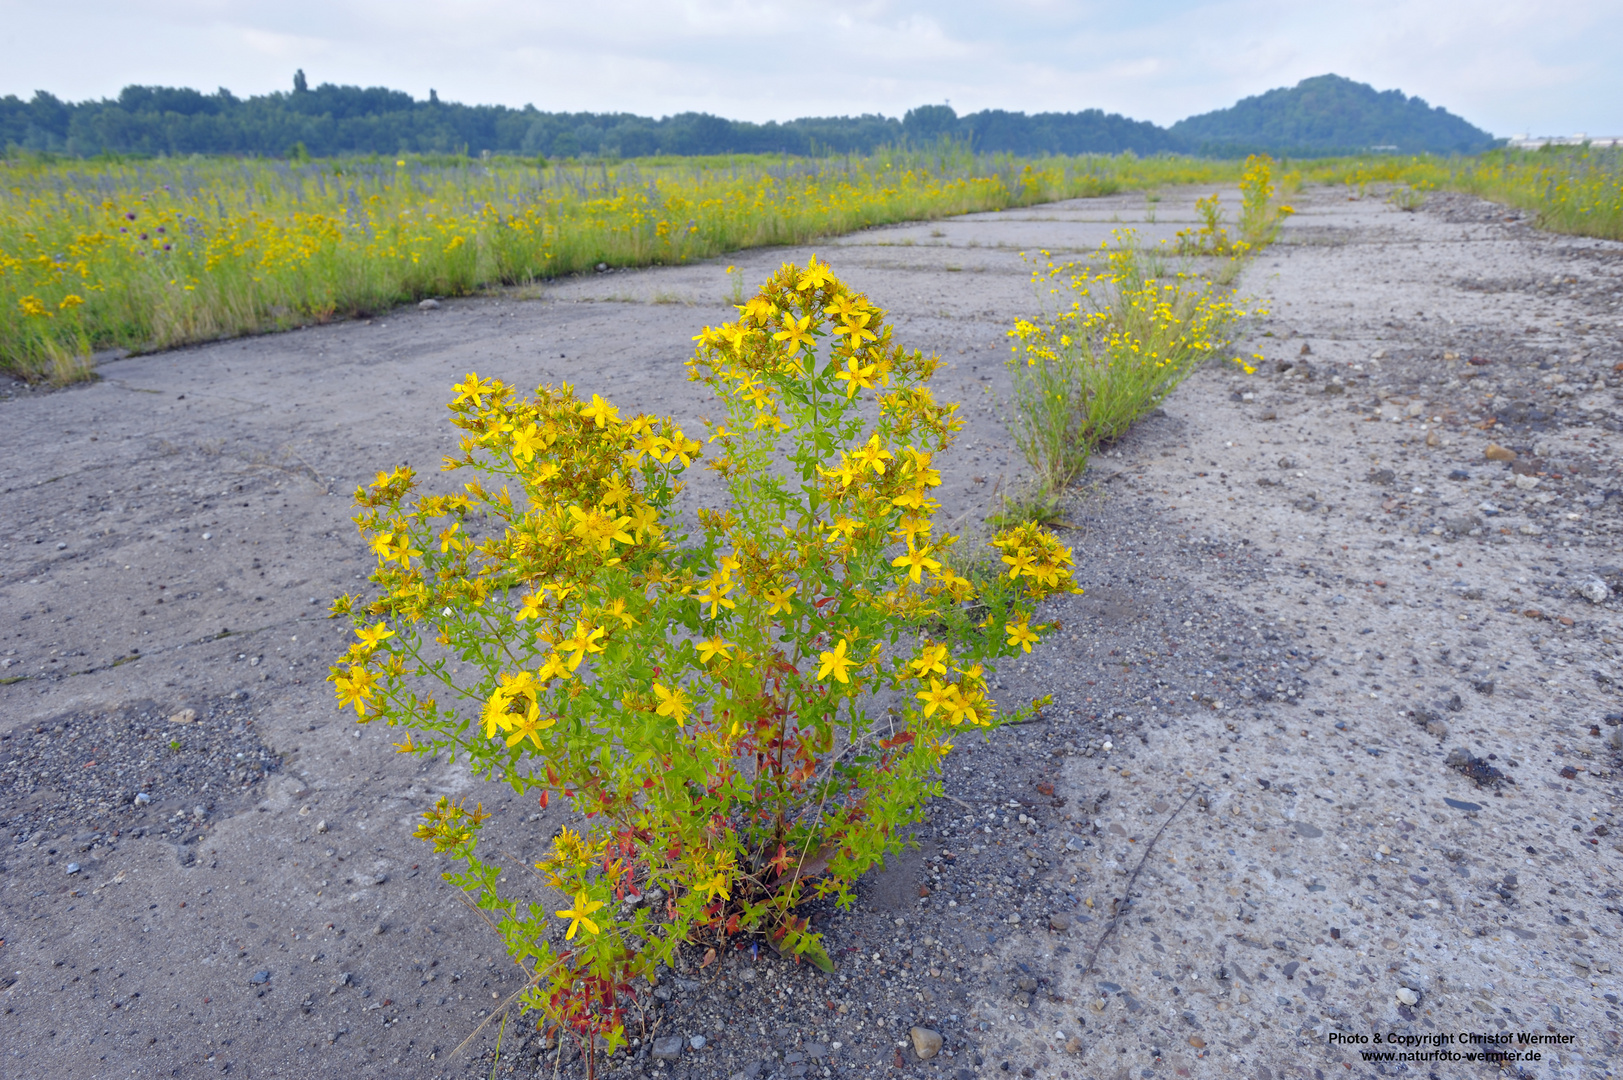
(144, 255)
(155, 253)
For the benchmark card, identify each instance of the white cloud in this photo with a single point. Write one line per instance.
(1506, 65)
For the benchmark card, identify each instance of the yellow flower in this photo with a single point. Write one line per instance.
(815, 277)
(779, 600)
(874, 455)
(672, 703)
(716, 886)
(1020, 634)
(373, 637)
(856, 376)
(712, 648)
(716, 596)
(796, 333)
(601, 412)
(929, 659)
(577, 915)
(472, 389)
(937, 697)
(834, 663)
(582, 643)
(916, 561)
(855, 326)
(356, 688)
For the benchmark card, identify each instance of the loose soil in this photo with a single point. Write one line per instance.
(1262, 820)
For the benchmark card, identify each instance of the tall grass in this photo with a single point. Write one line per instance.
(152, 254)
(1577, 190)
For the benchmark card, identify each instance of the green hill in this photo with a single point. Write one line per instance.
(1328, 114)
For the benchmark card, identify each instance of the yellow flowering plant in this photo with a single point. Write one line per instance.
(1128, 335)
(746, 717)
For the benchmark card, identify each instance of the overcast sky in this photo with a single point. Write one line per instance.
(1548, 68)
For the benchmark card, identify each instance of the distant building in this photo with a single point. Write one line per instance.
(1531, 142)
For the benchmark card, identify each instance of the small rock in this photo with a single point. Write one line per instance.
(1495, 452)
(428, 305)
(601, 267)
(1458, 474)
(1015, 918)
(73, 868)
(1306, 350)
(1407, 996)
(697, 1042)
(1524, 482)
(259, 978)
(926, 1043)
(1381, 476)
(1416, 408)
(1196, 1041)
(1436, 728)
(668, 1048)
(142, 798)
(1595, 591)
(1287, 463)
(1059, 922)
(321, 826)
(184, 716)
(1335, 386)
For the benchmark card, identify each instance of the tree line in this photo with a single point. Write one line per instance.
(330, 120)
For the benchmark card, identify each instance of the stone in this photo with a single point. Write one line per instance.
(1381, 476)
(1416, 408)
(1407, 996)
(1495, 452)
(259, 978)
(926, 1043)
(1436, 728)
(697, 1042)
(428, 305)
(1595, 591)
(1059, 922)
(1458, 474)
(1525, 482)
(142, 798)
(184, 716)
(73, 868)
(668, 1048)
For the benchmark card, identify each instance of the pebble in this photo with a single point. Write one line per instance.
(697, 1042)
(184, 716)
(142, 798)
(926, 1043)
(668, 1048)
(1595, 591)
(429, 304)
(73, 868)
(259, 978)
(1407, 996)
(1495, 452)
(1059, 922)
